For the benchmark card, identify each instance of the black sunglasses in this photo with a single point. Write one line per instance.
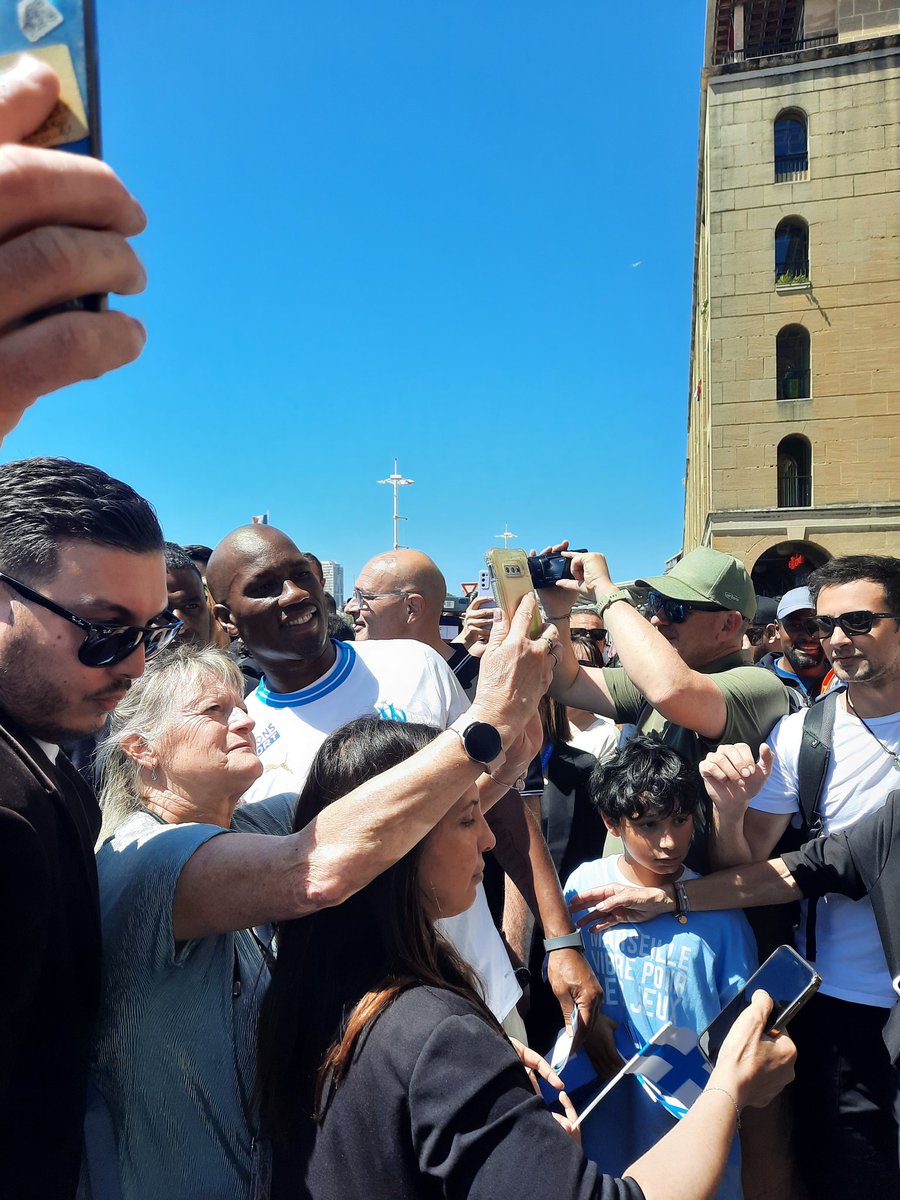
(852, 622)
(677, 611)
(105, 645)
(809, 626)
(591, 635)
(755, 634)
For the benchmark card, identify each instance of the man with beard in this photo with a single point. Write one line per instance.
(846, 1086)
(801, 666)
(82, 604)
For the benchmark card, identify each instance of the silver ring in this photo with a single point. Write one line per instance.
(549, 642)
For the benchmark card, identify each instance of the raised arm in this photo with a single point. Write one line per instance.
(236, 881)
(64, 220)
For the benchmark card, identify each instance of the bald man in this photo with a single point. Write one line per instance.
(400, 594)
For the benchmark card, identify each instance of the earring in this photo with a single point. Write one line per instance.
(153, 773)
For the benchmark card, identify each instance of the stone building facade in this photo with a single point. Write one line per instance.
(794, 406)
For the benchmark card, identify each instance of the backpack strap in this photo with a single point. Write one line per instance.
(812, 765)
(815, 754)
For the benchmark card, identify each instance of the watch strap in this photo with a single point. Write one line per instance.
(568, 941)
(605, 601)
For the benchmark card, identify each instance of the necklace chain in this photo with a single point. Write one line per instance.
(893, 753)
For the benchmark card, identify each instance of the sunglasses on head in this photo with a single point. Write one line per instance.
(851, 623)
(677, 611)
(105, 644)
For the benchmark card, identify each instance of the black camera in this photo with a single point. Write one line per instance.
(548, 569)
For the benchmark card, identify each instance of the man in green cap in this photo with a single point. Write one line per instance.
(683, 673)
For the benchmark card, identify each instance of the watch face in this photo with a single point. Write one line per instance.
(482, 742)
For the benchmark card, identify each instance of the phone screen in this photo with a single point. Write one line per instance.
(788, 979)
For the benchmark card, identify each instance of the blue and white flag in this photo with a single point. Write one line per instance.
(670, 1067)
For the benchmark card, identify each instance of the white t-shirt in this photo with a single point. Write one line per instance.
(601, 738)
(402, 681)
(860, 775)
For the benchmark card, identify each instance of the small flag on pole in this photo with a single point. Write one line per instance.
(670, 1067)
(262, 519)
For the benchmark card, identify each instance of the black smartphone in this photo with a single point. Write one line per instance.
(789, 980)
(64, 34)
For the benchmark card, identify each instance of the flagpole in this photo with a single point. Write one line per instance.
(625, 1071)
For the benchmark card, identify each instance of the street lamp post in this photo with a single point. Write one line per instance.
(396, 481)
(506, 535)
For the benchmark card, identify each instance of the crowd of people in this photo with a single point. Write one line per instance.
(346, 882)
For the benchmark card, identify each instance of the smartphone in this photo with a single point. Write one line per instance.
(484, 585)
(790, 981)
(64, 34)
(511, 581)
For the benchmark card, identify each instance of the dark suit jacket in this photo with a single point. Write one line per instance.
(49, 820)
(436, 1104)
(863, 860)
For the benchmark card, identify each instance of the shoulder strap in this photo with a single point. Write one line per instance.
(815, 754)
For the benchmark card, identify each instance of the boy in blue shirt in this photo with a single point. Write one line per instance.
(662, 970)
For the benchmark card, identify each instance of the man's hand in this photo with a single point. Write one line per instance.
(64, 220)
(732, 777)
(478, 621)
(575, 985)
(611, 904)
(515, 672)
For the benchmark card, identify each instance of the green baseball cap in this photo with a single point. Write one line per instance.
(707, 576)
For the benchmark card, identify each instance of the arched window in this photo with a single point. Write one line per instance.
(792, 362)
(792, 251)
(794, 472)
(791, 144)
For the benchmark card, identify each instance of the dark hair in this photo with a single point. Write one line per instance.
(593, 656)
(47, 501)
(194, 552)
(340, 627)
(177, 560)
(316, 562)
(554, 720)
(874, 568)
(645, 778)
(339, 969)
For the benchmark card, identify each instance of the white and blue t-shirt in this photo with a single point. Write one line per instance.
(653, 973)
(398, 680)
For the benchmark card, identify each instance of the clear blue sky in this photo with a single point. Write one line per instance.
(403, 227)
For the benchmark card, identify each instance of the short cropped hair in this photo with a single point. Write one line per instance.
(47, 501)
(851, 568)
(197, 552)
(645, 778)
(177, 560)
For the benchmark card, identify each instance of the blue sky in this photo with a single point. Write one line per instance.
(403, 227)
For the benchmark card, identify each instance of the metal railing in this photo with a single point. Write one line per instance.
(763, 51)
(791, 164)
(795, 491)
(792, 273)
(794, 386)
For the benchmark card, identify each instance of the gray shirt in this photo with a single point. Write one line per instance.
(173, 1056)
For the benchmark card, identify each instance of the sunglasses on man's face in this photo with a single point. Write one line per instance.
(590, 635)
(794, 628)
(755, 634)
(104, 644)
(852, 623)
(677, 611)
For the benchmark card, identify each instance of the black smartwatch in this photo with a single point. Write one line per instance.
(481, 742)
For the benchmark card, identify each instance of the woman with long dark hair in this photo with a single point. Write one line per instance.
(382, 1074)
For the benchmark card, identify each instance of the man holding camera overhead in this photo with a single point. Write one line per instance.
(683, 673)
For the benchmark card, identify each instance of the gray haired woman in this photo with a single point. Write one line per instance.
(183, 906)
(174, 1046)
